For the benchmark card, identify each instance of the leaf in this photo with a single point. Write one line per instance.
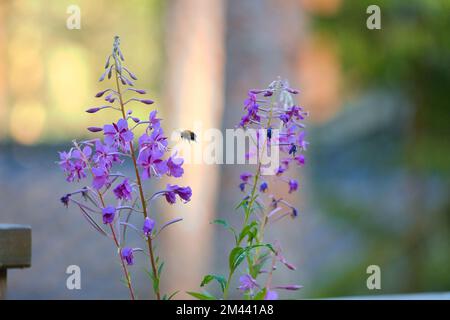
(225, 224)
(220, 279)
(172, 295)
(243, 204)
(201, 296)
(247, 230)
(238, 254)
(160, 269)
(233, 260)
(155, 280)
(259, 205)
(92, 221)
(258, 266)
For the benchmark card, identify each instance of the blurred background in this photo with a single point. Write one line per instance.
(375, 189)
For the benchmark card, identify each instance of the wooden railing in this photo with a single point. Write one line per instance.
(15, 251)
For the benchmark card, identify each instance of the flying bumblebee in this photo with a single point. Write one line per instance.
(188, 135)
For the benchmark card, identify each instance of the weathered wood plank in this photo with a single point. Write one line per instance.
(15, 246)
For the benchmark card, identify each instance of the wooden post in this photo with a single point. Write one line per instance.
(15, 250)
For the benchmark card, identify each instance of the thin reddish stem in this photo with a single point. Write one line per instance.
(141, 193)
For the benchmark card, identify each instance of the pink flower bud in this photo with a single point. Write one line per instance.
(94, 129)
(146, 101)
(93, 110)
(101, 93)
(102, 77)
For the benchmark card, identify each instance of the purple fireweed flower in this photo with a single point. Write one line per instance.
(156, 140)
(118, 134)
(250, 102)
(149, 225)
(64, 162)
(127, 255)
(152, 164)
(73, 164)
(108, 214)
(184, 193)
(266, 109)
(100, 177)
(105, 155)
(271, 295)
(300, 159)
(83, 155)
(247, 283)
(123, 190)
(153, 120)
(293, 185)
(302, 142)
(99, 156)
(174, 167)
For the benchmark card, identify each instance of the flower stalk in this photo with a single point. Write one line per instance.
(116, 200)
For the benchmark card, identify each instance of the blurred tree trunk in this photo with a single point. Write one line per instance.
(3, 70)
(194, 98)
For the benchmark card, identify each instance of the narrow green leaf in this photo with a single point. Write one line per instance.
(238, 254)
(160, 269)
(220, 279)
(173, 295)
(237, 251)
(201, 296)
(247, 230)
(225, 224)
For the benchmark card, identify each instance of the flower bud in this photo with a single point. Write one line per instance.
(101, 93)
(93, 110)
(146, 101)
(94, 129)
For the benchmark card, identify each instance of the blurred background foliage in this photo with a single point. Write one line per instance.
(407, 159)
(411, 53)
(375, 188)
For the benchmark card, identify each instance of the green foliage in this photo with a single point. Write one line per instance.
(410, 53)
(220, 279)
(202, 296)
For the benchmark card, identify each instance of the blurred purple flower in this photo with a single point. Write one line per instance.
(263, 187)
(127, 254)
(108, 214)
(247, 283)
(123, 190)
(245, 176)
(271, 295)
(171, 191)
(149, 225)
(293, 185)
(105, 155)
(174, 166)
(100, 177)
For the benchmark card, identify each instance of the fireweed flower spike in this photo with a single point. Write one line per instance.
(109, 198)
(279, 124)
